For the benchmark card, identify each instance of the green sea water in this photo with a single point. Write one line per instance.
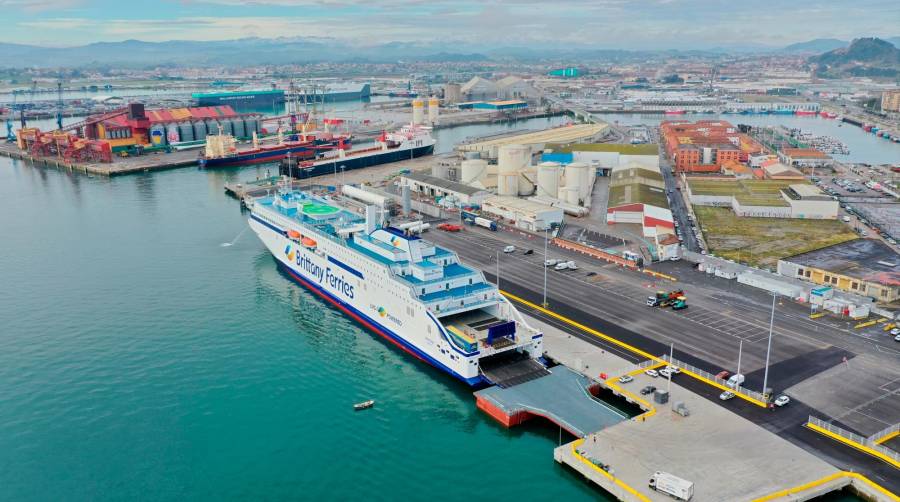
(140, 359)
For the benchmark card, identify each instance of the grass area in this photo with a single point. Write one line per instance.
(763, 241)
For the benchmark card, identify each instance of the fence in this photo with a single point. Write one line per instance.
(709, 376)
(880, 436)
(856, 438)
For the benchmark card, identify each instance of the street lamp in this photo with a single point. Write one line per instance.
(343, 177)
(544, 304)
(769, 348)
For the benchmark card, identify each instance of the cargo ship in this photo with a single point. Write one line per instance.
(333, 92)
(407, 143)
(409, 291)
(221, 150)
(258, 99)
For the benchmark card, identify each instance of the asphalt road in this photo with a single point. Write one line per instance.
(707, 335)
(678, 206)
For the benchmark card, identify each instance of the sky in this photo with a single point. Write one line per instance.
(608, 24)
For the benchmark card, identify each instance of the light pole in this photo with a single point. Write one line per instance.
(740, 352)
(498, 269)
(769, 349)
(544, 304)
(343, 175)
(671, 358)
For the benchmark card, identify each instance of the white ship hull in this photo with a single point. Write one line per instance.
(367, 292)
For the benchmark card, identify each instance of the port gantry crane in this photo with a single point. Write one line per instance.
(10, 135)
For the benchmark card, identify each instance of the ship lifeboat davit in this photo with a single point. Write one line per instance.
(295, 235)
(307, 242)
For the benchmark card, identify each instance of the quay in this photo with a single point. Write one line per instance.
(127, 165)
(726, 456)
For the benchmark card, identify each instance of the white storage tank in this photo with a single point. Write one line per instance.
(365, 196)
(577, 174)
(473, 170)
(508, 184)
(548, 179)
(442, 171)
(513, 158)
(433, 110)
(418, 107)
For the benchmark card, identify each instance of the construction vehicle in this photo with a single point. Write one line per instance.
(680, 303)
(663, 299)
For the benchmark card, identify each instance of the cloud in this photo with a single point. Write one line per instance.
(37, 6)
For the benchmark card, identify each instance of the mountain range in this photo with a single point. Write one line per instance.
(287, 50)
(864, 57)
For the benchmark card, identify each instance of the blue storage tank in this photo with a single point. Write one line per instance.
(199, 130)
(186, 131)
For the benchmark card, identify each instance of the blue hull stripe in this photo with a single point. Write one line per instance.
(346, 267)
(380, 329)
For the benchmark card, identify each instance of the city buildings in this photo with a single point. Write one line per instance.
(890, 100)
(706, 145)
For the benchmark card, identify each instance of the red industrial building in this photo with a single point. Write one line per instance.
(704, 146)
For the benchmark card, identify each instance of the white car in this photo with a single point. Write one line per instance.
(665, 373)
(626, 379)
(509, 249)
(561, 266)
(897, 338)
(782, 400)
(895, 332)
(551, 262)
(674, 369)
(725, 396)
(651, 373)
(571, 265)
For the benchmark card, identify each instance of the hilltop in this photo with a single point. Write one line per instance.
(870, 57)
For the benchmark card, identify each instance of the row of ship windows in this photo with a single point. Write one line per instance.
(446, 286)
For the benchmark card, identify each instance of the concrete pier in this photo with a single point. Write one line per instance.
(727, 457)
(119, 165)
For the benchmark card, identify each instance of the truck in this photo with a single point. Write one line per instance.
(468, 217)
(486, 223)
(672, 485)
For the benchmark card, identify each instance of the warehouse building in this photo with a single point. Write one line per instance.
(434, 187)
(805, 157)
(514, 88)
(637, 195)
(605, 156)
(479, 89)
(764, 199)
(537, 140)
(525, 214)
(866, 267)
(704, 146)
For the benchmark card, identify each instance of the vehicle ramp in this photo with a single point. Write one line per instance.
(561, 396)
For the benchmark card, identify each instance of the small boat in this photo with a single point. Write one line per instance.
(364, 405)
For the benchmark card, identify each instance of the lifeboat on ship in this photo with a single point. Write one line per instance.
(308, 243)
(294, 235)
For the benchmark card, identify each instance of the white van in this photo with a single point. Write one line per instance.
(509, 249)
(846, 219)
(735, 381)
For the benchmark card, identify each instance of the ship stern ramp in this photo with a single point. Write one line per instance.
(559, 395)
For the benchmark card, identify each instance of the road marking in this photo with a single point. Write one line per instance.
(842, 474)
(631, 348)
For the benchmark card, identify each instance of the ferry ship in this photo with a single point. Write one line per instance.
(416, 295)
(411, 141)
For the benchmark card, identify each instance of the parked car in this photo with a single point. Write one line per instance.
(674, 369)
(649, 389)
(895, 332)
(651, 373)
(735, 380)
(665, 373)
(530, 251)
(626, 379)
(781, 400)
(561, 266)
(550, 262)
(723, 374)
(725, 396)
(509, 249)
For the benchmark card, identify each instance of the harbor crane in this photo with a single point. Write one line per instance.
(59, 104)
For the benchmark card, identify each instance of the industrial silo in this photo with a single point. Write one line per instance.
(418, 107)
(472, 171)
(508, 184)
(172, 135)
(452, 93)
(186, 131)
(157, 135)
(433, 110)
(513, 158)
(548, 179)
(577, 175)
(239, 130)
(200, 130)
